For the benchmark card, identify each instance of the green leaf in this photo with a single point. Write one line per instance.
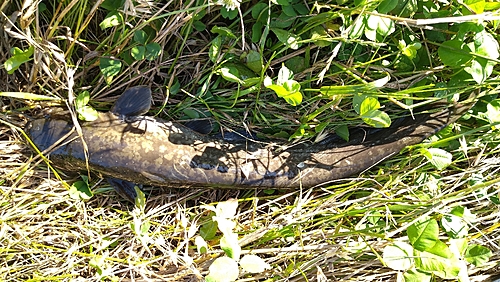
(223, 269)
(442, 267)
(87, 113)
(140, 200)
(254, 61)
(109, 67)
(423, 234)
(229, 244)
(484, 44)
(208, 230)
(113, 18)
(368, 105)
(140, 37)
(386, 6)
(343, 132)
(253, 264)
(454, 53)
(478, 255)
(228, 14)
(80, 191)
(230, 74)
(413, 275)
(112, 4)
(398, 256)
(82, 99)
(153, 50)
(224, 31)
(377, 119)
(214, 50)
(376, 25)
(19, 57)
(493, 111)
(475, 5)
(370, 114)
(138, 52)
(440, 249)
(199, 26)
(289, 39)
(439, 158)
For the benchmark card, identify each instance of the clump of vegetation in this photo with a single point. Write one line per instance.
(285, 69)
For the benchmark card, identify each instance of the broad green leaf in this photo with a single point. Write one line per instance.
(440, 249)
(477, 255)
(80, 191)
(199, 26)
(357, 100)
(386, 6)
(377, 119)
(368, 105)
(378, 25)
(110, 67)
(289, 39)
(442, 267)
(370, 114)
(254, 61)
(423, 234)
(343, 132)
(253, 264)
(138, 52)
(224, 31)
(18, 58)
(230, 74)
(454, 53)
(257, 10)
(214, 50)
(112, 4)
(153, 50)
(439, 158)
(293, 98)
(87, 113)
(475, 5)
(493, 111)
(208, 230)
(140, 37)
(398, 256)
(82, 99)
(413, 275)
(113, 18)
(223, 269)
(229, 244)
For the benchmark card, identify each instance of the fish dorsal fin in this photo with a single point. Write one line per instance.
(134, 101)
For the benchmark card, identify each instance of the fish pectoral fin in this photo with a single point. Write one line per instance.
(135, 101)
(202, 126)
(124, 188)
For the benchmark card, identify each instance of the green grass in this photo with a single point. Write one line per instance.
(192, 56)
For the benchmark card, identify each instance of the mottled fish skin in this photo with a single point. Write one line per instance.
(153, 151)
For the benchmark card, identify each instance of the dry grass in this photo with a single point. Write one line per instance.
(319, 234)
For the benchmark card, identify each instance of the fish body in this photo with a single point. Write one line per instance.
(153, 151)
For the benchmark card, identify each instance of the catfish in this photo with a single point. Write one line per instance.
(129, 148)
